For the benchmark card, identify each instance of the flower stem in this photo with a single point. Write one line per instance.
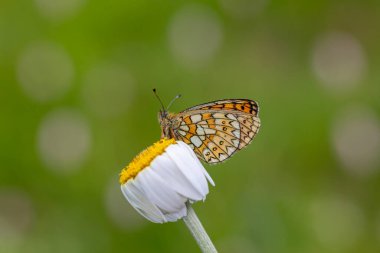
(199, 233)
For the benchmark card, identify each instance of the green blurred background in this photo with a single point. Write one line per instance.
(76, 106)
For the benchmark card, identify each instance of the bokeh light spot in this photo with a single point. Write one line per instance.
(64, 140)
(356, 140)
(56, 10)
(338, 61)
(119, 211)
(45, 71)
(16, 216)
(337, 222)
(195, 35)
(108, 90)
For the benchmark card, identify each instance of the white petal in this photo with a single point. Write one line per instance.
(145, 207)
(178, 215)
(198, 162)
(175, 179)
(189, 168)
(158, 192)
(139, 201)
(197, 167)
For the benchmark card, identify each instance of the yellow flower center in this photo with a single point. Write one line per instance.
(144, 159)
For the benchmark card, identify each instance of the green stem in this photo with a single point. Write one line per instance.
(199, 233)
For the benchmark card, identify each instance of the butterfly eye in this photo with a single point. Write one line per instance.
(214, 148)
(221, 142)
(208, 153)
(223, 122)
(224, 128)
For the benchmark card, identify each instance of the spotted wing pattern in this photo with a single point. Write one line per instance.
(216, 130)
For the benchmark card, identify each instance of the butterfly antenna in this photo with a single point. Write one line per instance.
(162, 105)
(174, 99)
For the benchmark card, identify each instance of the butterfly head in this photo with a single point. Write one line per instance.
(165, 118)
(165, 123)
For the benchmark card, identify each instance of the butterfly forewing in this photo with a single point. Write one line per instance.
(216, 130)
(239, 105)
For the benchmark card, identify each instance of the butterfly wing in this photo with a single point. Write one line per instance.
(216, 130)
(239, 105)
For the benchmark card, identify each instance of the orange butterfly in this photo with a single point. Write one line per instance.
(214, 130)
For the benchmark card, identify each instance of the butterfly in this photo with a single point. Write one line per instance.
(214, 130)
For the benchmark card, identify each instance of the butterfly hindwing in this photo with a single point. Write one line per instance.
(249, 126)
(216, 130)
(208, 140)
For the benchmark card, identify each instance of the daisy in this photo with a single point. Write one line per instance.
(161, 183)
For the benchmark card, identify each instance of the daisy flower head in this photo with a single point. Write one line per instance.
(162, 179)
